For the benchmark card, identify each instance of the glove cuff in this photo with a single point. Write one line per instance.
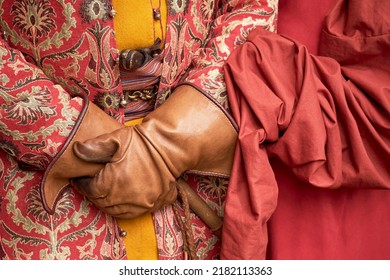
(92, 122)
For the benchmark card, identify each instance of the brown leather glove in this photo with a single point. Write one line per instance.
(187, 133)
(66, 165)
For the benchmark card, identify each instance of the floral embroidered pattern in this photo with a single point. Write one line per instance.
(107, 100)
(100, 71)
(45, 32)
(58, 236)
(176, 7)
(35, 207)
(95, 9)
(9, 148)
(31, 106)
(207, 9)
(213, 187)
(30, 161)
(32, 26)
(33, 18)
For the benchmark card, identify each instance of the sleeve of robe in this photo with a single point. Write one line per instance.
(326, 117)
(201, 39)
(37, 115)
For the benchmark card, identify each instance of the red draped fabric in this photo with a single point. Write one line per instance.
(311, 173)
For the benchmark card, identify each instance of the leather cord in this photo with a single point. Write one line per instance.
(192, 200)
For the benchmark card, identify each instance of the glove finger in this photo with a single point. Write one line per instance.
(166, 199)
(86, 187)
(126, 211)
(98, 150)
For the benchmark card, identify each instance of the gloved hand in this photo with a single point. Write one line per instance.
(187, 133)
(66, 165)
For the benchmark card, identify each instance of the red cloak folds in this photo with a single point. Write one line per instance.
(323, 119)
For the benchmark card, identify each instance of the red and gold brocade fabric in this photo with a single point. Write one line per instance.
(69, 48)
(72, 42)
(55, 49)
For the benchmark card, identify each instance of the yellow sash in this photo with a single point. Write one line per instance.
(134, 24)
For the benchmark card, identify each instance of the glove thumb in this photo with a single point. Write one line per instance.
(97, 150)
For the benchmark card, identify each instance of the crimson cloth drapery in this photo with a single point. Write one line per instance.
(325, 117)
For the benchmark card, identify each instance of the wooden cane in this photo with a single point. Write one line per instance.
(200, 207)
